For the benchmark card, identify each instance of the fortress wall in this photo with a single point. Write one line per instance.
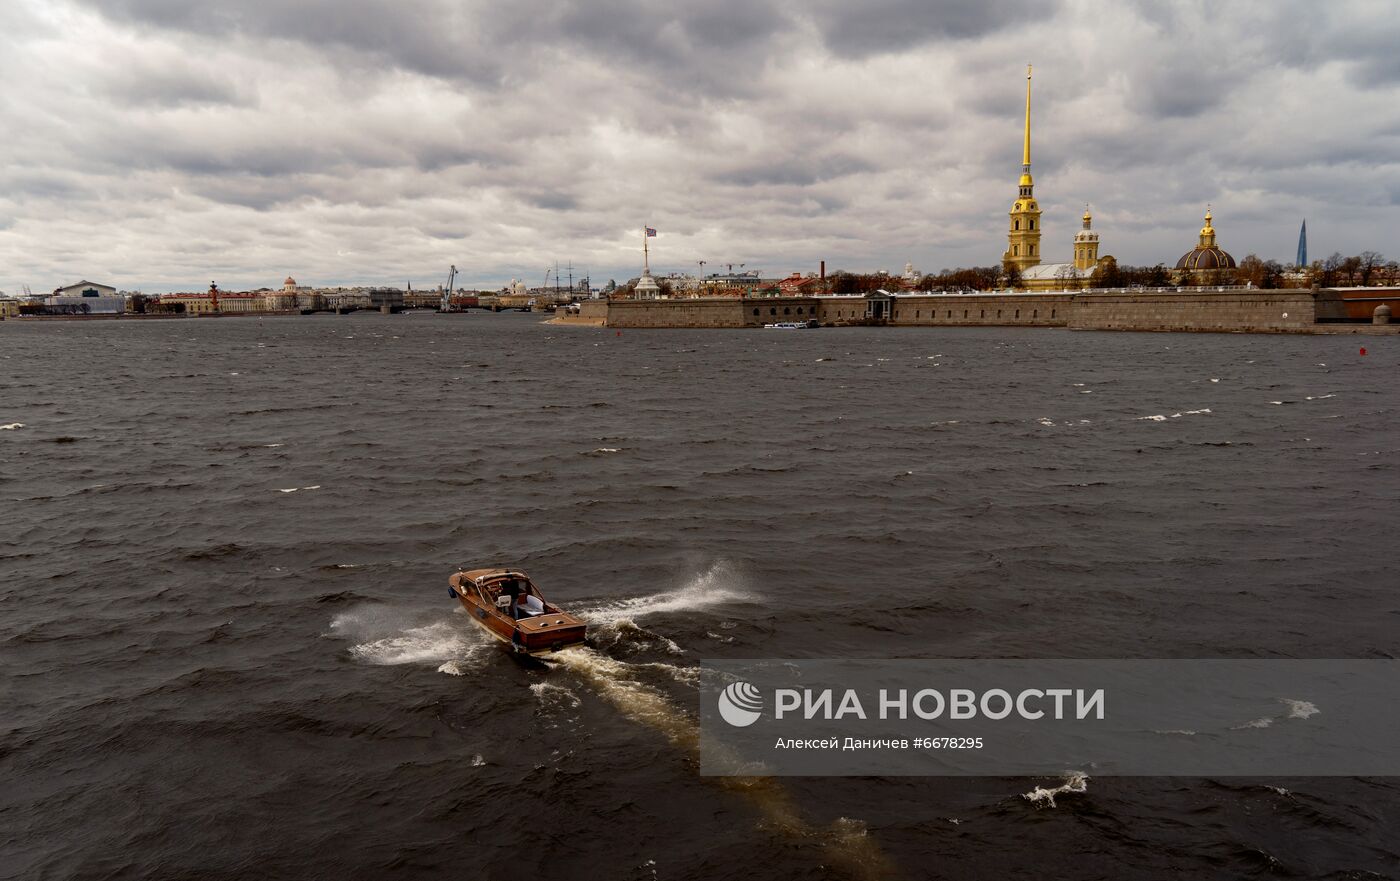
(1241, 311)
(675, 313)
(981, 310)
(593, 312)
(1238, 311)
(709, 312)
(759, 311)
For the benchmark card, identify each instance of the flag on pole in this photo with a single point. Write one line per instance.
(650, 232)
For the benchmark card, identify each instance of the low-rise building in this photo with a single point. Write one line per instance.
(189, 303)
(241, 303)
(86, 298)
(799, 285)
(86, 289)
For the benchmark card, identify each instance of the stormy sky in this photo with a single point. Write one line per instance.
(159, 144)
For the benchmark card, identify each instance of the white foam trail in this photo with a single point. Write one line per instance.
(1300, 709)
(1076, 783)
(1263, 722)
(1157, 418)
(551, 695)
(299, 488)
(627, 629)
(846, 841)
(12, 426)
(386, 636)
(716, 586)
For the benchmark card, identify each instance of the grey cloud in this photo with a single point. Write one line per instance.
(362, 140)
(880, 26)
(795, 171)
(552, 200)
(182, 85)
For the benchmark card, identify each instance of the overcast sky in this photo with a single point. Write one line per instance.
(159, 144)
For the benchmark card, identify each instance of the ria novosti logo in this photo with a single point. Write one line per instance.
(740, 704)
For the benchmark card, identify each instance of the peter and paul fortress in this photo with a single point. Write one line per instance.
(1203, 296)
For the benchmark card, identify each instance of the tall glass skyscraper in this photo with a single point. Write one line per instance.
(1303, 244)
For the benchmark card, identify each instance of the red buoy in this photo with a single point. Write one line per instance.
(1363, 350)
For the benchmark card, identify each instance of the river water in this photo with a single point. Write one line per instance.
(229, 650)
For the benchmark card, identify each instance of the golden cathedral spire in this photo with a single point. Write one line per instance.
(1023, 236)
(1026, 152)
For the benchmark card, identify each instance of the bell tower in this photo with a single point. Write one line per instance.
(1086, 244)
(1023, 236)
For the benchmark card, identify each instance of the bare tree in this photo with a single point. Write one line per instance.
(1369, 261)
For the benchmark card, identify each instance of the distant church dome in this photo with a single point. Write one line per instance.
(1206, 255)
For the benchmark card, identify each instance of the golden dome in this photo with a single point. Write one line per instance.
(1206, 255)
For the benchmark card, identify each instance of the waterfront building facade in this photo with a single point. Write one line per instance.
(201, 303)
(88, 298)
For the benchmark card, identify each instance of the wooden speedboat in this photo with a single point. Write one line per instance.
(507, 604)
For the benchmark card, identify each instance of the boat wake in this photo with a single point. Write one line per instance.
(720, 584)
(846, 841)
(387, 636)
(1075, 783)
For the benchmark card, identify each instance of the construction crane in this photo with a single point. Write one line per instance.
(447, 292)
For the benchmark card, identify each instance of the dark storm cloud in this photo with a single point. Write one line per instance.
(487, 43)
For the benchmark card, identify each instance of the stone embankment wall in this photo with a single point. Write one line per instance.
(978, 310)
(1234, 310)
(1240, 311)
(712, 312)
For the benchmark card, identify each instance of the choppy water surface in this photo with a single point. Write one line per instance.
(229, 651)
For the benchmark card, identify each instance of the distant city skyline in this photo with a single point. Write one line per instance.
(157, 146)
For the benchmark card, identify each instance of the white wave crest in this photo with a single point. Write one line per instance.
(387, 636)
(12, 426)
(718, 585)
(1300, 709)
(1076, 783)
(1263, 722)
(551, 695)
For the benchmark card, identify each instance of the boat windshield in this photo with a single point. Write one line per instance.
(523, 598)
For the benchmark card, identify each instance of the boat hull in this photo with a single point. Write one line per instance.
(548, 631)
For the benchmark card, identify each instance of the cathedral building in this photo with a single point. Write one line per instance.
(1206, 263)
(1023, 251)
